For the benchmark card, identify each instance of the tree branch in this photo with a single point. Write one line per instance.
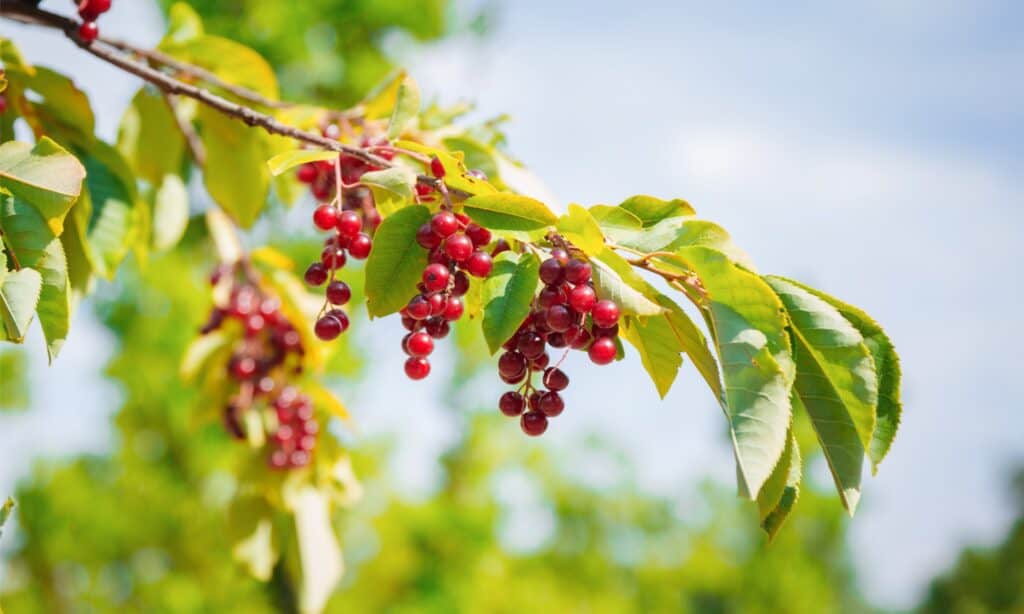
(192, 140)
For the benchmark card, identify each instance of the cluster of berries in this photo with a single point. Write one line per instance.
(90, 11)
(347, 240)
(455, 245)
(269, 350)
(322, 177)
(566, 314)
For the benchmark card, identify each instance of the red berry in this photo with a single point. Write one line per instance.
(88, 31)
(348, 224)
(511, 403)
(244, 368)
(515, 379)
(511, 364)
(533, 423)
(458, 247)
(360, 246)
(582, 298)
(557, 340)
(577, 271)
(552, 272)
(453, 309)
(419, 308)
(306, 174)
(531, 345)
(333, 257)
(325, 217)
(555, 379)
(463, 219)
(500, 246)
(436, 168)
(338, 292)
(479, 264)
(417, 368)
(435, 277)
(606, 332)
(559, 318)
(444, 223)
(438, 328)
(426, 237)
(560, 255)
(327, 328)
(316, 274)
(479, 235)
(461, 284)
(89, 10)
(438, 303)
(423, 189)
(439, 257)
(299, 458)
(254, 324)
(551, 404)
(419, 344)
(540, 363)
(279, 459)
(602, 351)
(551, 295)
(605, 313)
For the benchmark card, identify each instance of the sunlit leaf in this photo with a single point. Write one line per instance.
(781, 491)
(396, 263)
(236, 173)
(580, 228)
(170, 213)
(45, 176)
(282, 162)
(615, 279)
(506, 295)
(146, 122)
(407, 107)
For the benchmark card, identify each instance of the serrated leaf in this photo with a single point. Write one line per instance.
(781, 491)
(396, 263)
(659, 349)
(283, 162)
(839, 351)
(149, 120)
(504, 211)
(506, 295)
(579, 227)
(170, 213)
(673, 233)
(392, 188)
(236, 175)
(45, 176)
(615, 279)
(58, 108)
(18, 297)
(651, 210)
(887, 366)
(407, 107)
(477, 155)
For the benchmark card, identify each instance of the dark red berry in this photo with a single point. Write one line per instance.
(458, 247)
(437, 256)
(419, 344)
(327, 328)
(552, 272)
(549, 296)
(511, 364)
(605, 313)
(279, 459)
(540, 363)
(606, 332)
(551, 404)
(500, 246)
(316, 274)
(438, 303)
(560, 255)
(444, 223)
(555, 379)
(511, 403)
(419, 308)
(436, 168)
(602, 351)
(461, 284)
(338, 292)
(453, 309)
(479, 264)
(582, 298)
(325, 217)
(417, 368)
(435, 277)
(333, 257)
(534, 423)
(514, 379)
(531, 345)
(360, 246)
(479, 235)
(438, 328)
(557, 340)
(581, 340)
(427, 238)
(577, 271)
(559, 318)
(423, 189)
(306, 173)
(348, 224)
(254, 324)
(244, 367)
(88, 31)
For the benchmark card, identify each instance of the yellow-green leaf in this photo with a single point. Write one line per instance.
(290, 159)
(45, 176)
(506, 295)
(615, 279)
(407, 107)
(236, 173)
(658, 346)
(651, 210)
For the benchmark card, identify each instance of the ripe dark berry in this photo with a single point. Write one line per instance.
(555, 379)
(540, 363)
(435, 277)
(461, 284)
(419, 308)
(348, 224)
(89, 10)
(606, 332)
(552, 272)
(479, 264)
(511, 363)
(423, 189)
(338, 292)
(333, 257)
(244, 368)
(88, 31)
(436, 168)
(444, 223)
(534, 423)
(438, 303)
(306, 174)
(327, 328)
(559, 318)
(458, 247)
(531, 345)
(325, 217)
(427, 238)
(605, 313)
(582, 298)
(479, 235)
(316, 274)
(602, 351)
(417, 368)
(438, 328)
(549, 296)
(360, 246)
(560, 255)
(551, 404)
(557, 340)
(453, 309)
(511, 403)
(577, 271)
(419, 344)
(514, 379)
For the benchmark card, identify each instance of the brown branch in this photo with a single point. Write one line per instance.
(10, 250)
(192, 140)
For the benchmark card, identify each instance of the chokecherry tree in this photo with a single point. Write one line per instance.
(431, 206)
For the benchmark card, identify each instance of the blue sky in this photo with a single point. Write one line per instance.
(874, 150)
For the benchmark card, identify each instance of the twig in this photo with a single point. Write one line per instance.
(10, 250)
(192, 140)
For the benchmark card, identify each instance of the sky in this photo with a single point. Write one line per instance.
(872, 149)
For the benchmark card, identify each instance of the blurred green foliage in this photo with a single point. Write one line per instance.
(14, 389)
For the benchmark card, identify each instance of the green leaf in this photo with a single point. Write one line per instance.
(231, 61)
(506, 295)
(5, 512)
(149, 120)
(615, 279)
(58, 108)
(781, 491)
(290, 159)
(673, 233)
(110, 199)
(80, 267)
(839, 351)
(199, 353)
(504, 211)
(170, 213)
(45, 176)
(457, 176)
(184, 23)
(32, 241)
(579, 227)
(693, 344)
(616, 223)
(396, 263)
(18, 297)
(477, 155)
(659, 349)
(887, 366)
(650, 210)
(392, 188)
(380, 102)
(236, 175)
(748, 326)
(407, 107)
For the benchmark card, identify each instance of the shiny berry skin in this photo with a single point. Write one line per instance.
(559, 318)
(427, 238)
(479, 264)
(417, 368)
(306, 174)
(419, 344)
(360, 246)
(453, 309)
(602, 351)
(461, 284)
(550, 296)
(325, 217)
(511, 364)
(436, 168)
(88, 31)
(327, 328)
(439, 257)
(552, 272)
(557, 340)
(316, 274)
(511, 404)
(551, 404)
(438, 328)
(435, 277)
(578, 338)
(605, 313)
(338, 292)
(531, 345)
(560, 255)
(333, 257)
(606, 332)
(438, 303)
(534, 423)
(479, 235)
(458, 247)
(514, 379)
(582, 298)
(348, 224)
(540, 363)
(444, 223)
(418, 308)
(90, 10)
(555, 379)
(577, 271)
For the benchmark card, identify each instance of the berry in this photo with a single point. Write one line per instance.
(90, 10)
(244, 368)
(534, 423)
(306, 174)
(419, 344)
(327, 328)
(511, 364)
(88, 31)
(602, 351)
(551, 404)
(423, 189)
(325, 217)
(338, 292)
(511, 403)
(417, 368)
(479, 264)
(427, 238)
(316, 274)
(577, 271)
(552, 272)
(582, 298)
(438, 303)
(435, 277)
(559, 318)
(550, 296)
(360, 246)
(531, 345)
(348, 224)
(444, 223)
(438, 328)
(540, 363)
(436, 168)
(560, 255)
(333, 257)
(479, 235)
(458, 247)
(3, 104)
(419, 308)
(461, 284)
(453, 309)
(605, 313)
(555, 379)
